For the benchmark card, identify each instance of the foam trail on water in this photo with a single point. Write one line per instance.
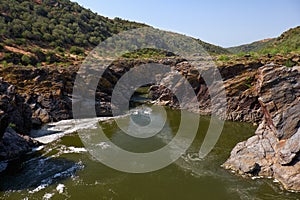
(55, 131)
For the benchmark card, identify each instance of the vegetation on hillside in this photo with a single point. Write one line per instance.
(55, 23)
(287, 42)
(43, 30)
(38, 32)
(252, 47)
(50, 31)
(213, 49)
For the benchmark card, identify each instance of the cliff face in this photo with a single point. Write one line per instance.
(13, 111)
(239, 82)
(274, 150)
(13, 108)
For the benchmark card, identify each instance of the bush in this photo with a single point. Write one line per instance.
(289, 63)
(60, 50)
(51, 57)
(39, 54)
(28, 60)
(77, 50)
(4, 63)
(25, 60)
(9, 42)
(224, 58)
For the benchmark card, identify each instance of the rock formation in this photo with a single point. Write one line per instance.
(13, 145)
(274, 151)
(14, 112)
(13, 109)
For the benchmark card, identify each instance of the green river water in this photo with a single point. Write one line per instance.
(64, 169)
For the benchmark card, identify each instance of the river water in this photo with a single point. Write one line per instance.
(63, 168)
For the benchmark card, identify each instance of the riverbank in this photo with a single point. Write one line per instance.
(32, 96)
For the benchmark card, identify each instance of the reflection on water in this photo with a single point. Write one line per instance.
(64, 169)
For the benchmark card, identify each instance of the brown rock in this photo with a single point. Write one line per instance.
(275, 148)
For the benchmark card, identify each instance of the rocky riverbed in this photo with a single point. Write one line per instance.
(257, 92)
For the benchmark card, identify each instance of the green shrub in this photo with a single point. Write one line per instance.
(77, 50)
(12, 125)
(289, 63)
(51, 57)
(9, 42)
(25, 60)
(223, 58)
(274, 51)
(59, 50)
(39, 54)
(4, 63)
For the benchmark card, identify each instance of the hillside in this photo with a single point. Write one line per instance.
(252, 47)
(39, 32)
(213, 49)
(46, 30)
(288, 41)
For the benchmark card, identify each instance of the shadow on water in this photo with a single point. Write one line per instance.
(36, 171)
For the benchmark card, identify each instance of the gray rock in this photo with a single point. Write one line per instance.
(275, 148)
(14, 145)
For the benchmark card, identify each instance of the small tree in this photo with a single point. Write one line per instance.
(25, 60)
(77, 50)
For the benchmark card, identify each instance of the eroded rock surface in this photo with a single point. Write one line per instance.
(16, 113)
(13, 109)
(238, 81)
(13, 145)
(275, 149)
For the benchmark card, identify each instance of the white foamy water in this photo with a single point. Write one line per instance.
(60, 188)
(48, 196)
(55, 131)
(74, 150)
(37, 189)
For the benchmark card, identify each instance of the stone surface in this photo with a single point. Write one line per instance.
(14, 145)
(13, 109)
(238, 80)
(274, 150)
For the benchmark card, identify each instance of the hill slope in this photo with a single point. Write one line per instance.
(287, 42)
(252, 47)
(48, 31)
(33, 27)
(56, 23)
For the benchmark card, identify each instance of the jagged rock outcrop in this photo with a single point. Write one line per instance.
(238, 80)
(46, 91)
(13, 145)
(274, 151)
(13, 109)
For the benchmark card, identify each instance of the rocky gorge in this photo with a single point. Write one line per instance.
(263, 92)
